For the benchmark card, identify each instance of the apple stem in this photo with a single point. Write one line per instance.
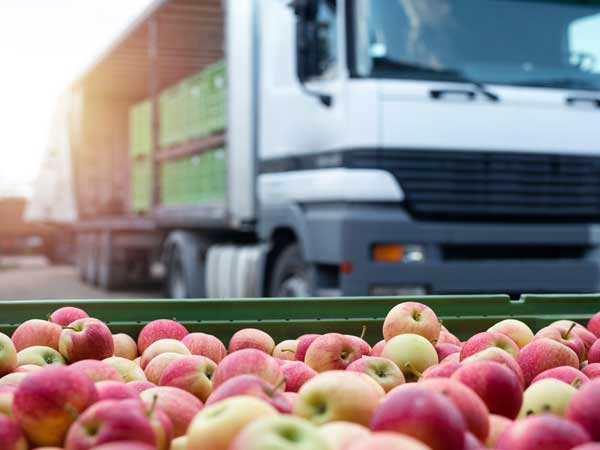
(70, 410)
(412, 370)
(153, 405)
(271, 393)
(70, 328)
(576, 383)
(288, 350)
(570, 329)
(364, 331)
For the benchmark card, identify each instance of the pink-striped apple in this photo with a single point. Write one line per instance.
(251, 385)
(543, 354)
(7, 395)
(115, 390)
(251, 338)
(440, 371)
(497, 426)
(412, 318)
(444, 350)
(500, 356)
(11, 437)
(160, 329)
(485, 340)
(377, 349)
(163, 346)
(157, 365)
(286, 350)
(202, 344)
(128, 370)
(387, 441)
(566, 374)
(248, 361)
(13, 379)
(594, 325)
(97, 370)
(179, 405)
(518, 331)
(192, 374)
(592, 370)
(384, 371)
(412, 353)
(67, 315)
(296, 373)
(594, 353)
(340, 435)
(586, 336)
(125, 445)
(584, 408)
(140, 386)
(566, 337)
(125, 346)
(448, 338)
(332, 351)
(304, 342)
(36, 332)
(86, 339)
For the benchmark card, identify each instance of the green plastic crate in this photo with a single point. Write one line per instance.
(141, 185)
(172, 115)
(140, 129)
(215, 97)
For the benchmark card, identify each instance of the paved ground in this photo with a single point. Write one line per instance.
(30, 278)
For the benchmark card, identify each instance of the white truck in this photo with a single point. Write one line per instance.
(372, 147)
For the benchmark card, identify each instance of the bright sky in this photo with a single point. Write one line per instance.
(44, 45)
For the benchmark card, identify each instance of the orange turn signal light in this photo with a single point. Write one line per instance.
(388, 252)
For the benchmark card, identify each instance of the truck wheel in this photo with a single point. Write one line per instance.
(290, 276)
(185, 255)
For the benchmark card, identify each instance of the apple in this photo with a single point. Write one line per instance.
(296, 373)
(542, 354)
(452, 358)
(160, 329)
(377, 349)
(8, 355)
(115, 390)
(499, 356)
(566, 337)
(202, 344)
(284, 432)
(592, 370)
(39, 405)
(216, 426)
(497, 426)
(163, 346)
(39, 356)
(594, 325)
(191, 373)
(412, 318)
(441, 370)
(27, 368)
(332, 351)
(110, 421)
(124, 445)
(67, 315)
(286, 350)
(291, 397)
(304, 342)
(97, 370)
(544, 431)
(36, 333)
(444, 350)
(584, 408)
(128, 370)
(179, 405)
(251, 338)
(13, 379)
(180, 443)
(423, 414)
(548, 396)
(7, 394)
(339, 435)
(590, 446)
(251, 385)
(86, 339)
(566, 374)
(412, 353)
(474, 411)
(140, 386)
(472, 443)
(594, 353)
(338, 395)
(161, 424)
(157, 366)
(248, 361)
(364, 347)
(485, 340)
(587, 337)
(125, 346)
(448, 338)
(496, 384)
(516, 330)
(384, 371)
(387, 441)
(11, 437)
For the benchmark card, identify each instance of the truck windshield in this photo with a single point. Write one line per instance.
(525, 43)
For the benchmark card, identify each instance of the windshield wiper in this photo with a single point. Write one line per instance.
(566, 83)
(440, 74)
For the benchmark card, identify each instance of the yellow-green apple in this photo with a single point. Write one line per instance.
(97, 370)
(251, 385)
(423, 414)
(548, 396)
(140, 386)
(592, 370)
(544, 431)
(191, 373)
(377, 349)
(7, 394)
(162, 426)
(584, 408)
(543, 354)
(39, 356)
(157, 365)
(441, 370)
(27, 368)
(594, 353)
(448, 338)
(8, 355)
(110, 421)
(332, 351)
(496, 384)
(587, 337)
(128, 370)
(518, 331)
(384, 371)
(115, 390)
(482, 341)
(179, 444)
(160, 329)
(179, 405)
(281, 432)
(566, 337)
(304, 342)
(444, 350)
(340, 435)
(125, 445)
(338, 395)
(216, 426)
(248, 361)
(11, 436)
(125, 346)
(474, 411)
(202, 344)
(566, 374)
(388, 441)
(138, 361)
(286, 350)
(13, 379)
(412, 353)
(162, 346)
(47, 402)
(86, 339)
(67, 315)
(251, 338)
(296, 373)
(36, 332)
(412, 318)
(594, 325)
(500, 356)
(497, 426)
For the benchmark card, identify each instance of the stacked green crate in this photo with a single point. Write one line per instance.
(196, 126)
(214, 97)
(140, 150)
(173, 115)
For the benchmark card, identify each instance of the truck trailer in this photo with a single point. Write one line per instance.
(248, 148)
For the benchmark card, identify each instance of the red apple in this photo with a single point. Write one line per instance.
(339, 435)
(141, 386)
(128, 370)
(115, 390)
(485, 340)
(453, 358)
(11, 437)
(8, 355)
(440, 371)
(566, 374)
(40, 403)
(125, 346)
(304, 342)
(423, 414)
(251, 338)
(472, 443)
(254, 386)
(163, 346)
(448, 338)
(36, 333)
(157, 366)
(205, 345)
(444, 350)
(518, 331)
(594, 353)
(543, 354)
(179, 405)
(7, 395)
(566, 337)
(248, 361)
(590, 446)
(27, 368)
(412, 318)
(86, 339)
(365, 348)
(97, 370)
(192, 374)
(586, 336)
(387, 441)
(67, 315)
(124, 445)
(162, 426)
(499, 356)
(545, 431)
(594, 325)
(286, 350)
(584, 408)
(377, 349)
(592, 370)
(496, 384)
(332, 351)
(497, 426)
(384, 371)
(160, 329)
(296, 373)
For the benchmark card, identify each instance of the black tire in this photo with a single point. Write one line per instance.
(185, 262)
(291, 274)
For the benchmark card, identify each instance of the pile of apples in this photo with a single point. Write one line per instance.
(69, 383)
